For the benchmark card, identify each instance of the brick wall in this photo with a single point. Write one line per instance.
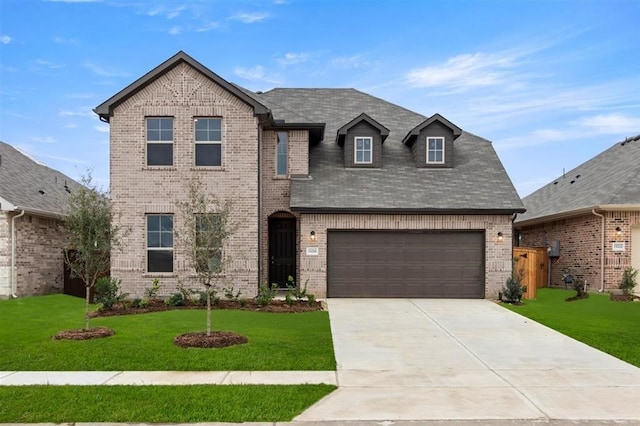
(275, 189)
(498, 254)
(5, 255)
(137, 190)
(581, 246)
(39, 257)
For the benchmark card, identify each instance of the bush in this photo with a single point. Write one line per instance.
(230, 295)
(152, 292)
(628, 281)
(513, 290)
(266, 294)
(176, 299)
(108, 292)
(136, 303)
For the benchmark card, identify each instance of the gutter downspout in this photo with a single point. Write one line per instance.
(601, 252)
(12, 284)
(259, 204)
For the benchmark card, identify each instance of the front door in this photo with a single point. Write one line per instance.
(282, 250)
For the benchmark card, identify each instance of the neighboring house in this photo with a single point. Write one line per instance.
(32, 204)
(347, 193)
(591, 210)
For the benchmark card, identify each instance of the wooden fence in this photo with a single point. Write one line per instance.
(533, 265)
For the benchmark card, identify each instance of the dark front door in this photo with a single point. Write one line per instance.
(282, 250)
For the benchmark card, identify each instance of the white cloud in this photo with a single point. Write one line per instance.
(614, 123)
(49, 64)
(64, 40)
(175, 30)
(81, 112)
(74, 1)
(104, 72)
(43, 139)
(255, 73)
(208, 27)
(5, 39)
(102, 128)
(465, 71)
(250, 18)
(71, 126)
(354, 61)
(293, 58)
(167, 12)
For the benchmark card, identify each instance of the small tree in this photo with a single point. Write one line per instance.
(90, 234)
(513, 289)
(206, 226)
(628, 281)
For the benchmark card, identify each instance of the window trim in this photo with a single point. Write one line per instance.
(159, 142)
(286, 155)
(196, 142)
(147, 248)
(440, 138)
(355, 149)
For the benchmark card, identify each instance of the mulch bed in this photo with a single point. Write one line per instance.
(577, 297)
(623, 297)
(217, 339)
(83, 334)
(279, 306)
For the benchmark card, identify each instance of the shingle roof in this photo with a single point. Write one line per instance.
(29, 185)
(477, 182)
(610, 178)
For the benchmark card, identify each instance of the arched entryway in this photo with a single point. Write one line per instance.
(282, 248)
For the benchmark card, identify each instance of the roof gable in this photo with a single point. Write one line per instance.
(342, 131)
(413, 133)
(105, 109)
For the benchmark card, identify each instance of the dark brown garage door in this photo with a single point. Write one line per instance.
(405, 264)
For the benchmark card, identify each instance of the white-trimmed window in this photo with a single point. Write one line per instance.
(282, 154)
(363, 150)
(160, 243)
(208, 141)
(159, 141)
(435, 150)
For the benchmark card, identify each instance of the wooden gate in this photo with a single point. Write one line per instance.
(533, 265)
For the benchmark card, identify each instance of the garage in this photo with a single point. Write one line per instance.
(421, 264)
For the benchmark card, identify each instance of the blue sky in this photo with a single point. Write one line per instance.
(551, 83)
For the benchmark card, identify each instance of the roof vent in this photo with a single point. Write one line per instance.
(41, 192)
(573, 181)
(577, 176)
(555, 183)
(259, 92)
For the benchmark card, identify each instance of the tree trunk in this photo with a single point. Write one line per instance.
(86, 308)
(208, 311)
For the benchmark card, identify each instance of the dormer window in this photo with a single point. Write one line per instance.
(435, 150)
(363, 147)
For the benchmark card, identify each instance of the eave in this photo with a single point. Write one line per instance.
(575, 213)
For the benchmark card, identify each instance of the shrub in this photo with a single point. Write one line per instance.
(513, 290)
(152, 292)
(311, 298)
(136, 303)
(230, 295)
(266, 294)
(176, 299)
(108, 292)
(628, 281)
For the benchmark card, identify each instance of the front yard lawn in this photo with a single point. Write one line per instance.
(156, 404)
(144, 342)
(612, 327)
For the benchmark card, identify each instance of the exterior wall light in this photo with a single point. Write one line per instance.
(500, 237)
(312, 236)
(618, 230)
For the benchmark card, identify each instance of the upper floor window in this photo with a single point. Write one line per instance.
(282, 155)
(435, 149)
(363, 147)
(160, 243)
(160, 141)
(208, 141)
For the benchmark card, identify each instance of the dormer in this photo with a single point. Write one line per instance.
(362, 140)
(431, 142)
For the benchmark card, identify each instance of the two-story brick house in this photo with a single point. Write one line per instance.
(353, 195)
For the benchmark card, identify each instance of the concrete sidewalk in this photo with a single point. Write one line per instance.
(88, 378)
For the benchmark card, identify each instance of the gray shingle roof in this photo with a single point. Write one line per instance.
(610, 178)
(22, 179)
(477, 182)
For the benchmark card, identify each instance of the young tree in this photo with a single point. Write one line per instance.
(206, 225)
(90, 234)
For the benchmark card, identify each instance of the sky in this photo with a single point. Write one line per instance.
(550, 83)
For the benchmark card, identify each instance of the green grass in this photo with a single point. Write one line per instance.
(145, 342)
(165, 404)
(612, 327)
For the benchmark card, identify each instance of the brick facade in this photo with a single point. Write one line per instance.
(137, 190)
(498, 254)
(39, 257)
(581, 246)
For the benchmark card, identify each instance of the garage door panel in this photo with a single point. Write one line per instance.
(405, 264)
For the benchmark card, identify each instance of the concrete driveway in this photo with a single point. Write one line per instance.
(427, 359)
